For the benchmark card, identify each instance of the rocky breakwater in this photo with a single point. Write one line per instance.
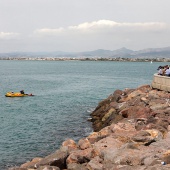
(131, 132)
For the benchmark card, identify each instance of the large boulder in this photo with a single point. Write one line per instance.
(81, 156)
(95, 164)
(56, 159)
(31, 164)
(146, 137)
(84, 143)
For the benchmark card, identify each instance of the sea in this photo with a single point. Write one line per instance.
(66, 92)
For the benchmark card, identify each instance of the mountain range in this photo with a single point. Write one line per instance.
(122, 53)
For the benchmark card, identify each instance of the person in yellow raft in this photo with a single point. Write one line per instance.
(22, 92)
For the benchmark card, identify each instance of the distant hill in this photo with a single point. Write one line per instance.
(122, 53)
(153, 53)
(108, 53)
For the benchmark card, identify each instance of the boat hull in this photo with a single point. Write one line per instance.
(17, 94)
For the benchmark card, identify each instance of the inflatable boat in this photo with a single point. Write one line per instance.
(17, 94)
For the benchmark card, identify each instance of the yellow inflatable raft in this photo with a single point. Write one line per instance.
(16, 94)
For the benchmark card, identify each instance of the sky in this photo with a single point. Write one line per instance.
(83, 25)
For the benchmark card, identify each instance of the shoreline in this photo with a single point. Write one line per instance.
(88, 59)
(131, 131)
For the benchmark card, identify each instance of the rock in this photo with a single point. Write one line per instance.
(18, 168)
(81, 156)
(95, 164)
(31, 164)
(123, 131)
(108, 114)
(145, 100)
(84, 144)
(151, 160)
(153, 95)
(136, 112)
(47, 167)
(71, 144)
(143, 137)
(96, 136)
(75, 166)
(167, 110)
(124, 113)
(155, 134)
(159, 124)
(93, 137)
(158, 106)
(134, 94)
(123, 156)
(136, 167)
(116, 95)
(107, 144)
(56, 159)
(122, 126)
(166, 157)
(139, 112)
(159, 167)
(104, 132)
(140, 123)
(144, 88)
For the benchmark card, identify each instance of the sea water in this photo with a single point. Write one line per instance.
(65, 92)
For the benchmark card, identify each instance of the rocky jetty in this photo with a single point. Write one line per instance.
(131, 132)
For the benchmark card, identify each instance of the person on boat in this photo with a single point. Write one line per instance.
(22, 92)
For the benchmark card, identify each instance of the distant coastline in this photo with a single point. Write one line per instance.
(122, 54)
(88, 59)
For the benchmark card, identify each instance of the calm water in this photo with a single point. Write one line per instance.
(65, 94)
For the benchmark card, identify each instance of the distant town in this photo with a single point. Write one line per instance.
(89, 59)
(122, 54)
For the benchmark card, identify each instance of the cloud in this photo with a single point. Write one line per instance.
(48, 31)
(113, 24)
(104, 34)
(104, 26)
(8, 35)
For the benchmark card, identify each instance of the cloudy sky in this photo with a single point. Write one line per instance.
(83, 25)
